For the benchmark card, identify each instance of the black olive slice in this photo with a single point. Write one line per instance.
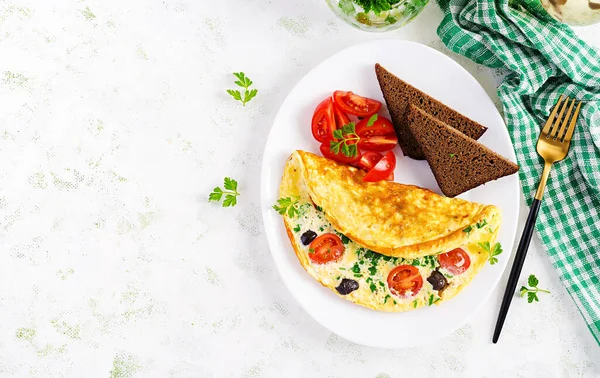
(308, 237)
(437, 280)
(347, 286)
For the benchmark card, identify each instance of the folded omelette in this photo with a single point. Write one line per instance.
(383, 245)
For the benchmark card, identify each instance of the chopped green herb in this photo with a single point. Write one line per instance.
(321, 228)
(297, 228)
(318, 208)
(415, 262)
(468, 230)
(369, 254)
(490, 230)
(387, 296)
(345, 239)
(381, 284)
(311, 251)
(391, 20)
(372, 120)
(533, 290)
(415, 303)
(358, 275)
(482, 224)
(394, 301)
(492, 251)
(230, 193)
(373, 270)
(452, 155)
(356, 268)
(288, 206)
(373, 287)
(386, 258)
(342, 268)
(369, 279)
(245, 83)
(362, 262)
(431, 300)
(448, 275)
(338, 277)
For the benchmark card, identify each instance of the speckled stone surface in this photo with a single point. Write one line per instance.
(115, 126)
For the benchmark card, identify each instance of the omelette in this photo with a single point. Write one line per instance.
(383, 245)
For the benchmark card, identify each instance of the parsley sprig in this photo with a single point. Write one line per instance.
(533, 290)
(289, 206)
(244, 82)
(492, 251)
(347, 140)
(230, 193)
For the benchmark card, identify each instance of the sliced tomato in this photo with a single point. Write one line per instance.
(323, 121)
(456, 261)
(390, 177)
(339, 157)
(341, 118)
(380, 136)
(382, 169)
(378, 143)
(381, 126)
(354, 104)
(405, 281)
(368, 160)
(326, 248)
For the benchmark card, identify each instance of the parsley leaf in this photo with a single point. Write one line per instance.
(297, 228)
(532, 280)
(387, 296)
(346, 141)
(533, 290)
(373, 287)
(492, 251)
(244, 82)
(230, 193)
(377, 6)
(415, 303)
(452, 155)
(288, 205)
(372, 120)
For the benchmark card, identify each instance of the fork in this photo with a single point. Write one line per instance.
(553, 146)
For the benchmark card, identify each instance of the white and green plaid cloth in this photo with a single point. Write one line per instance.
(544, 59)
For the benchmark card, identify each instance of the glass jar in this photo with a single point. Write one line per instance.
(389, 15)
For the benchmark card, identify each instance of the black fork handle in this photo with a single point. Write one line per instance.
(515, 272)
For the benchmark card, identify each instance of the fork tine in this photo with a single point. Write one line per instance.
(560, 117)
(546, 128)
(561, 132)
(571, 128)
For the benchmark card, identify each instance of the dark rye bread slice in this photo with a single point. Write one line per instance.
(458, 162)
(398, 94)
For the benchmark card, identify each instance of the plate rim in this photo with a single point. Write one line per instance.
(265, 208)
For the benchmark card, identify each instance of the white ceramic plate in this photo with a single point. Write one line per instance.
(353, 69)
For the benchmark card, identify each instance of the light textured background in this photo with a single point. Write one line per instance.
(115, 126)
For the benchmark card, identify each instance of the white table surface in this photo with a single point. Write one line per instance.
(115, 126)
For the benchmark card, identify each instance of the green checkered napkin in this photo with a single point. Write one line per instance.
(544, 59)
